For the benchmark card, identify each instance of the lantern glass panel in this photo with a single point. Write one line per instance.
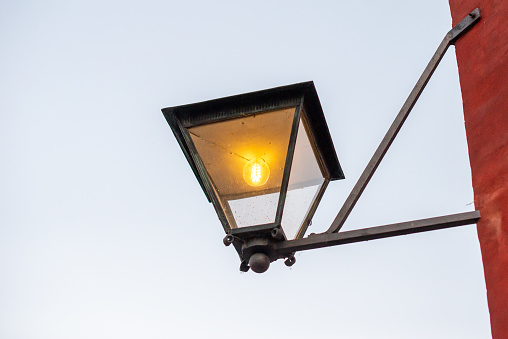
(305, 182)
(244, 158)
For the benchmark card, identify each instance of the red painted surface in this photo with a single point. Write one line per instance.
(482, 56)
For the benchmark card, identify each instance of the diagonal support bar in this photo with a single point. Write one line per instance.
(379, 232)
(450, 38)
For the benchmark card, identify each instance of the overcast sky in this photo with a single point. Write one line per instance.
(104, 231)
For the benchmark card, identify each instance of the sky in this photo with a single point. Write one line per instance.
(106, 233)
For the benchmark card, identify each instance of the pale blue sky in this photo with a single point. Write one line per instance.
(104, 231)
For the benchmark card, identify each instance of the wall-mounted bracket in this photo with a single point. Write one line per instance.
(394, 129)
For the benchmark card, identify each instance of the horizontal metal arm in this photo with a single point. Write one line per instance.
(394, 129)
(371, 233)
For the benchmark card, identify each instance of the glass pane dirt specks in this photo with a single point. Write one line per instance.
(305, 182)
(256, 210)
(238, 154)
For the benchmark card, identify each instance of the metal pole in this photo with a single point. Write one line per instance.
(371, 233)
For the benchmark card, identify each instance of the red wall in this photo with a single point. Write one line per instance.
(482, 56)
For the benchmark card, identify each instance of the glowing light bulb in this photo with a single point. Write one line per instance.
(256, 172)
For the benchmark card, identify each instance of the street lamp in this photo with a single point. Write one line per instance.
(264, 160)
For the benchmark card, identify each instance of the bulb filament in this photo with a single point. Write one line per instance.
(256, 172)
